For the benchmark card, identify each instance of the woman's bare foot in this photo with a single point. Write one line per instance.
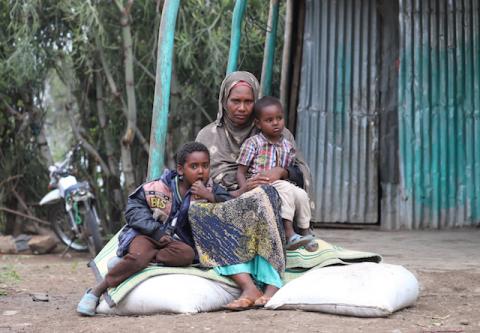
(269, 292)
(247, 300)
(251, 293)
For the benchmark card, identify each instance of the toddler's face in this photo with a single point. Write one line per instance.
(196, 167)
(271, 121)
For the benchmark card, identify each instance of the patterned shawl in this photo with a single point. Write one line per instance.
(237, 230)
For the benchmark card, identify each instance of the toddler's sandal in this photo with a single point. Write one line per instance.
(297, 241)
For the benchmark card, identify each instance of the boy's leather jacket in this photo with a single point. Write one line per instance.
(152, 207)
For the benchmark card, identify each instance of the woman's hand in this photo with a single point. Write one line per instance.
(264, 178)
(275, 174)
(199, 190)
(257, 180)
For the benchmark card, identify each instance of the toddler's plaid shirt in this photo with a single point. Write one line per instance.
(260, 154)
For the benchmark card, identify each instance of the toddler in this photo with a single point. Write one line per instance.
(270, 149)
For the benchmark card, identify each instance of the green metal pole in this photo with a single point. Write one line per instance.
(236, 34)
(269, 53)
(163, 80)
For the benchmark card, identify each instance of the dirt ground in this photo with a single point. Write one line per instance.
(446, 263)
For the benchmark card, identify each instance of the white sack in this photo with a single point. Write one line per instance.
(360, 290)
(173, 293)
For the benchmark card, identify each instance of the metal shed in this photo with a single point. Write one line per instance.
(388, 111)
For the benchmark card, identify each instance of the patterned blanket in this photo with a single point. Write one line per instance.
(298, 262)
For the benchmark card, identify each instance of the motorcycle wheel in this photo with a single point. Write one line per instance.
(93, 236)
(62, 228)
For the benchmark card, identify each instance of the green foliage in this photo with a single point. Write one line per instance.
(202, 41)
(23, 62)
(74, 266)
(24, 172)
(8, 274)
(51, 51)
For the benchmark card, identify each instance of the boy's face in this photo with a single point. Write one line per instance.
(271, 121)
(196, 167)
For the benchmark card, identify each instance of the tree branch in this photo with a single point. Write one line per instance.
(36, 219)
(76, 128)
(12, 111)
(24, 206)
(142, 140)
(106, 69)
(128, 7)
(9, 179)
(202, 109)
(116, 94)
(145, 69)
(124, 10)
(129, 135)
(23, 118)
(102, 119)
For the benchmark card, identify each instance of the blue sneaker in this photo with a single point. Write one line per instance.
(88, 304)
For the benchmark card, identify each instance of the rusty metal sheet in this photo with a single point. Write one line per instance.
(337, 128)
(439, 109)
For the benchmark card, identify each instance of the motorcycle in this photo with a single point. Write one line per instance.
(72, 210)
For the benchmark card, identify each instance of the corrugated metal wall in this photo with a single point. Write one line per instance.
(337, 127)
(439, 111)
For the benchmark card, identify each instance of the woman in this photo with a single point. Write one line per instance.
(234, 124)
(224, 137)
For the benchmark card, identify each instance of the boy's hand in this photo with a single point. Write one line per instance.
(165, 239)
(199, 190)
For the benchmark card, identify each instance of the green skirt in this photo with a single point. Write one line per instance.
(260, 269)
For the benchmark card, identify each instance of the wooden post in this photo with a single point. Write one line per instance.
(235, 35)
(162, 88)
(269, 53)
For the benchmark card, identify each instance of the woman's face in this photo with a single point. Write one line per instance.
(240, 104)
